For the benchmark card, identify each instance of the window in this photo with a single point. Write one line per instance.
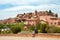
(51, 23)
(55, 23)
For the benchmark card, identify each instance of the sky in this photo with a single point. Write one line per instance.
(10, 8)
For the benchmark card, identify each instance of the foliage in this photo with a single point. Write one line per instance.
(15, 29)
(57, 29)
(32, 27)
(6, 32)
(21, 24)
(50, 13)
(9, 25)
(42, 28)
(18, 27)
(1, 26)
(51, 29)
(24, 13)
(38, 26)
(56, 15)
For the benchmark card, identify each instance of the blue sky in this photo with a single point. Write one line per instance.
(10, 8)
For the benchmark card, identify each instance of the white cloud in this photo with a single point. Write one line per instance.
(12, 12)
(45, 6)
(23, 2)
(28, 6)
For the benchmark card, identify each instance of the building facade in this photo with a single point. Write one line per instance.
(33, 18)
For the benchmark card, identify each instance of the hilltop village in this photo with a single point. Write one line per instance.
(32, 18)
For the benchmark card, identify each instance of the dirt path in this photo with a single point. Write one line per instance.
(26, 38)
(31, 35)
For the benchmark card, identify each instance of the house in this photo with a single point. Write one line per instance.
(32, 18)
(43, 17)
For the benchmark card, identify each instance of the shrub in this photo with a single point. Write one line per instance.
(52, 29)
(16, 28)
(21, 25)
(1, 26)
(58, 30)
(42, 28)
(6, 32)
(32, 28)
(38, 26)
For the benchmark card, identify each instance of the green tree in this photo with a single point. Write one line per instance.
(51, 29)
(38, 26)
(56, 15)
(1, 26)
(50, 13)
(15, 29)
(21, 24)
(32, 27)
(9, 25)
(4, 26)
(24, 13)
(42, 28)
(57, 29)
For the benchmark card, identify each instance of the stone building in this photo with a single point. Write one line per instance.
(32, 18)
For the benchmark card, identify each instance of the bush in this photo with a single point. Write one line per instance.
(38, 26)
(42, 28)
(9, 25)
(16, 28)
(32, 28)
(21, 25)
(58, 30)
(52, 29)
(1, 26)
(6, 32)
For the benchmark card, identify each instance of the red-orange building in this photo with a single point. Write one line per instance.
(33, 18)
